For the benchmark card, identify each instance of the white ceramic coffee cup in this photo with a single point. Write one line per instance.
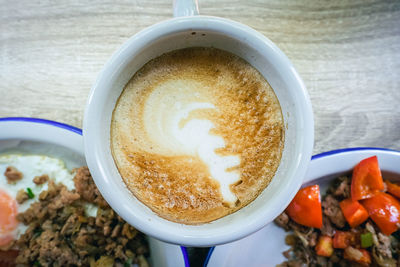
(204, 31)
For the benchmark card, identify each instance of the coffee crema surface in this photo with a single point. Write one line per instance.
(197, 134)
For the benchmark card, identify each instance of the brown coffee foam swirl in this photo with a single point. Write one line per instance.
(233, 96)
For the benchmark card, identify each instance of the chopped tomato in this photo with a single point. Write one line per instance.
(384, 210)
(393, 188)
(358, 255)
(367, 179)
(305, 208)
(343, 239)
(324, 246)
(353, 211)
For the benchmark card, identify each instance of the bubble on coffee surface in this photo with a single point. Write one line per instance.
(197, 134)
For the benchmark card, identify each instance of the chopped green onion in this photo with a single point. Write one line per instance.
(30, 193)
(37, 232)
(366, 240)
(128, 262)
(37, 263)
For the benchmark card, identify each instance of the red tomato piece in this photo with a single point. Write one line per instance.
(384, 210)
(393, 188)
(324, 246)
(358, 255)
(353, 211)
(367, 179)
(343, 239)
(305, 208)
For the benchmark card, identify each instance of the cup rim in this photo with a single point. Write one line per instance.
(197, 236)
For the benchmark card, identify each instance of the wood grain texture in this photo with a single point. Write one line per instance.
(347, 52)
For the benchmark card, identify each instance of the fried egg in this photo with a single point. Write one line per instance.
(30, 166)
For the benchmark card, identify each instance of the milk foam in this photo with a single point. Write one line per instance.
(173, 131)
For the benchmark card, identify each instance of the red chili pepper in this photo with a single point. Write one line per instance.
(305, 208)
(393, 188)
(358, 255)
(324, 246)
(343, 239)
(384, 210)
(353, 211)
(367, 179)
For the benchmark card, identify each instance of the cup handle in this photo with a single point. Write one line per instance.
(183, 8)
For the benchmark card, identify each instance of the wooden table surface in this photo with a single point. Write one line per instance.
(347, 52)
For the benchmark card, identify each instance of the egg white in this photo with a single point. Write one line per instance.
(32, 166)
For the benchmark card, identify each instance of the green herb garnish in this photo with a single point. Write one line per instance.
(366, 240)
(37, 232)
(30, 193)
(37, 264)
(128, 262)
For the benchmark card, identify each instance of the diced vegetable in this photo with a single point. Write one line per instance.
(30, 193)
(305, 208)
(37, 232)
(384, 210)
(343, 239)
(324, 246)
(353, 211)
(393, 188)
(358, 255)
(367, 179)
(366, 240)
(128, 262)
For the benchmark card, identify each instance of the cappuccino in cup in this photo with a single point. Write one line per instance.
(197, 134)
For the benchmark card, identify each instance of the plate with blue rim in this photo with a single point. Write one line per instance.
(45, 137)
(265, 247)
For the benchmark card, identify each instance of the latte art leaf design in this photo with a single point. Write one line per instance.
(175, 128)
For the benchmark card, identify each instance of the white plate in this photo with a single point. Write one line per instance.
(38, 136)
(265, 247)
